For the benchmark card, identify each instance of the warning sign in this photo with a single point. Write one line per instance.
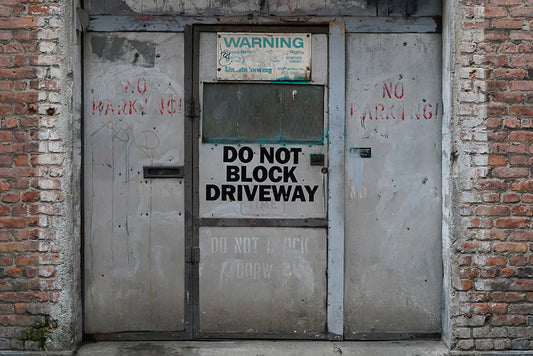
(263, 56)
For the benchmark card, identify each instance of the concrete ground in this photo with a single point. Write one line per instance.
(264, 348)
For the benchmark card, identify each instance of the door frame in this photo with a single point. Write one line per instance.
(332, 298)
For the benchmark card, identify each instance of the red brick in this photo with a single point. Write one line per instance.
(19, 210)
(506, 172)
(522, 110)
(30, 196)
(42, 9)
(491, 235)
(503, 148)
(14, 272)
(493, 308)
(512, 123)
(468, 273)
(522, 285)
(18, 97)
(508, 97)
(525, 48)
(517, 11)
(21, 161)
(492, 184)
(491, 197)
(14, 73)
(512, 223)
(6, 160)
(497, 160)
(507, 297)
(6, 85)
(521, 35)
(27, 260)
(507, 47)
(506, 272)
(524, 186)
(506, 2)
(510, 197)
(26, 35)
(481, 223)
(497, 109)
(518, 260)
(5, 35)
(527, 198)
(493, 123)
(6, 61)
(521, 160)
(521, 309)
(523, 210)
(522, 61)
(11, 197)
(6, 136)
(5, 186)
(19, 22)
(492, 210)
(496, 261)
(497, 85)
(12, 223)
(474, 296)
(488, 272)
(514, 247)
(466, 284)
(6, 110)
(496, 35)
(509, 73)
(495, 11)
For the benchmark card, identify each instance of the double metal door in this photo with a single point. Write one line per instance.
(205, 199)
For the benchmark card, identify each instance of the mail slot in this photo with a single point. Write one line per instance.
(163, 172)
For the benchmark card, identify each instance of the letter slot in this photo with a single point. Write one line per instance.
(163, 172)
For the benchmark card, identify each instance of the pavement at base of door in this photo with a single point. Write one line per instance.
(264, 348)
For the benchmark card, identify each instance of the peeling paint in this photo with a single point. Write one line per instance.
(114, 48)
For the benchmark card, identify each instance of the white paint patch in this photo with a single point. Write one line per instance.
(354, 171)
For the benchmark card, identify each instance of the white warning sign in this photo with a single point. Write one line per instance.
(264, 56)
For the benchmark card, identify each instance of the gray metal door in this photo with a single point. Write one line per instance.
(134, 197)
(261, 225)
(393, 274)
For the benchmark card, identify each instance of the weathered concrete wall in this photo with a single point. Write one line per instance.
(39, 242)
(266, 8)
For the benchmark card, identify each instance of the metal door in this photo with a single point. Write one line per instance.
(393, 280)
(134, 196)
(261, 226)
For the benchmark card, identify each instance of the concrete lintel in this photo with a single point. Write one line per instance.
(393, 24)
(105, 23)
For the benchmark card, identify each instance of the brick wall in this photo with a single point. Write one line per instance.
(493, 240)
(34, 180)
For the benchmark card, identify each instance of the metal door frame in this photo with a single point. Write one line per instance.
(237, 222)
